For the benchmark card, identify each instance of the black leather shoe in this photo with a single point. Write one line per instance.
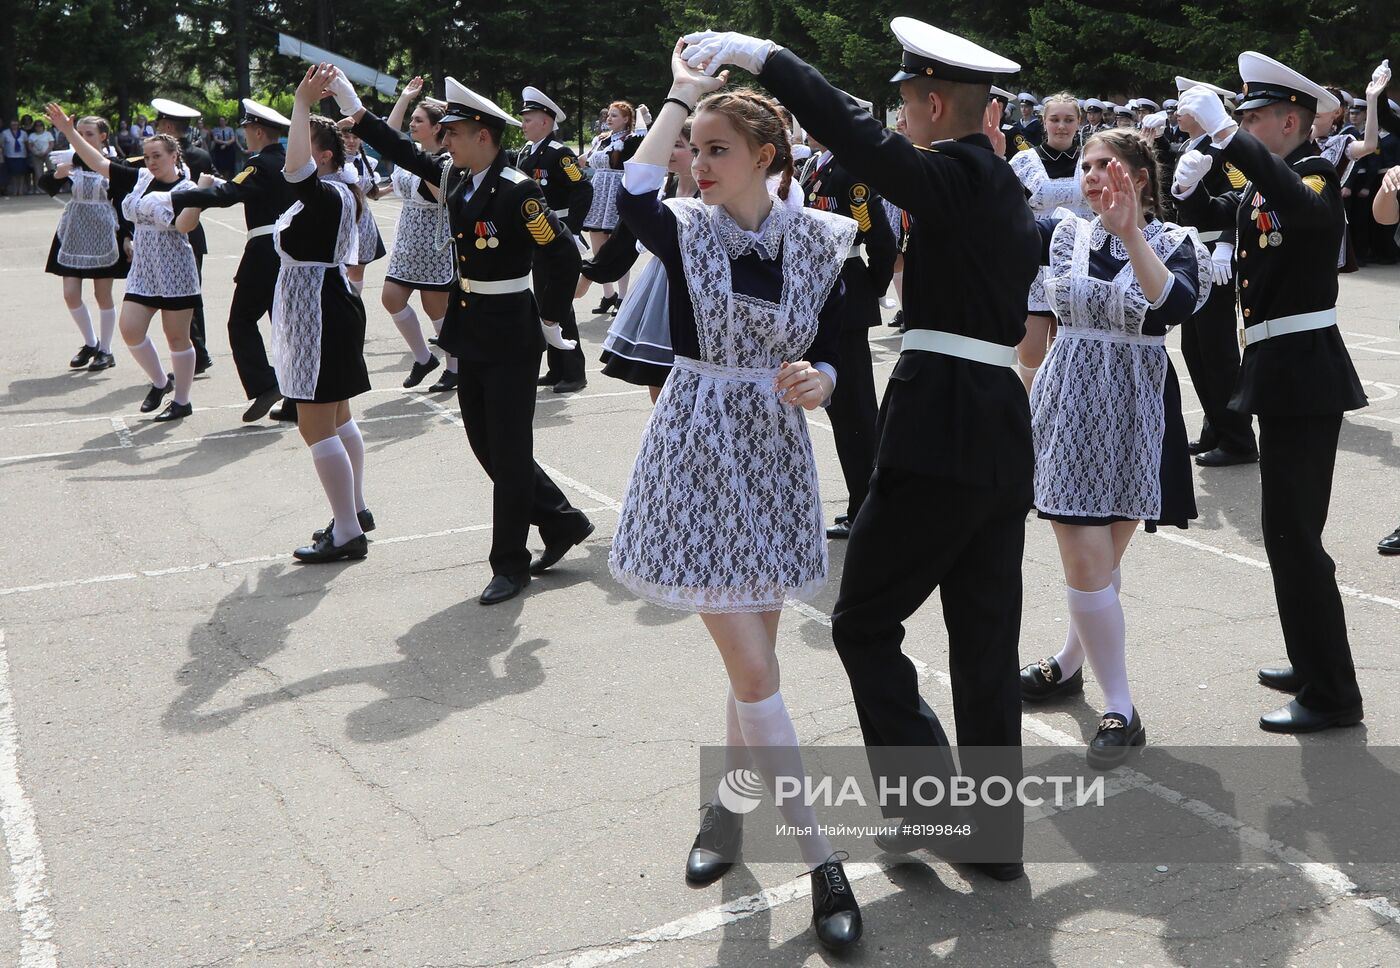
(1297, 718)
(174, 411)
(1283, 679)
(843, 518)
(156, 394)
(364, 517)
(898, 321)
(503, 588)
(548, 380)
(839, 531)
(202, 362)
(603, 306)
(1390, 544)
(553, 552)
(84, 357)
(716, 846)
(420, 371)
(1200, 445)
(1001, 871)
(101, 361)
(1115, 740)
(446, 382)
(570, 386)
(261, 404)
(1042, 680)
(323, 551)
(835, 913)
(287, 412)
(1220, 457)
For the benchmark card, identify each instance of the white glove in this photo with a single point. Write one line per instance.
(1382, 72)
(1205, 106)
(1222, 263)
(555, 337)
(1190, 170)
(1154, 124)
(345, 97)
(719, 48)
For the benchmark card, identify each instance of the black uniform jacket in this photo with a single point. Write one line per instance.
(556, 168)
(831, 188)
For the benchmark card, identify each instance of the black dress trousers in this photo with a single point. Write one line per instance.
(853, 413)
(254, 284)
(565, 366)
(1210, 347)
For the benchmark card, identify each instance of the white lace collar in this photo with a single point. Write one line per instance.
(767, 241)
(1098, 235)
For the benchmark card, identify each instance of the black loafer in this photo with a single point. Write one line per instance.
(261, 404)
(1297, 718)
(1390, 544)
(102, 361)
(323, 551)
(716, 846)
(420, 371)
(156, 394)
(364, 517)
(553, 552)
(1042, 680)
(446, 382)
(202, 362)
(84, 357)
(1219, 457)
(174, 411)
(1115, 740)
(570, 386)
(839, 531)
(835, 913)
(287, 411)
(503, 588)
(1283, 679)
(898, 321)
(1199, 446)
(843, 519)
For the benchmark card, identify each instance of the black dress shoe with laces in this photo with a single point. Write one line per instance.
(446, 382)
(287, 411)
(419, 372)
(835, 913)
(839, 531)
(1390, 544)
(502, 588)
(1115, 740)
(553, 552)
(259, 406)
(322, 551)
(1200, 445)
(898, 321)
(156, 394)
(716, 846)
(174, 411)
(101, 361)
(364, 517)
(1043, 680)
(1283, 679)
(1220, 457)
(1297, 718)
(84, 357)
(608, 304)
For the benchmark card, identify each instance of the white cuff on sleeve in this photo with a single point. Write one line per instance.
(830, 371)
(1166, 291)
(1185, 194)
(302, 173)
(639, 178)
(1228, 138)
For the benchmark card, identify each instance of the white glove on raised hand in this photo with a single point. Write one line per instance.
(554, 336)
(1154, 124)
(1190, 170)
(345, 97)
(1222, 263)
(716, 48)
(1205, 106)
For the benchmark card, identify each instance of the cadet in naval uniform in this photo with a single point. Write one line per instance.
(1296, 374)
(1028, 131)
(264, 194)
(500, 224)
(173, 118)
(854, 408)
(952, 482)
(555, 167)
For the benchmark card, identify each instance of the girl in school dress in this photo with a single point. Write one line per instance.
(1110, 442)
(88, 245)
(722, 514)
(163, 276)
(318, 320)
(421, 257)
(1049, 173)
(609, 152)
(359, 171)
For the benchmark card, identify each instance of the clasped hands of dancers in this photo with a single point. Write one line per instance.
(752, 292)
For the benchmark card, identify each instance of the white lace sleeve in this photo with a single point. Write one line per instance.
(302, 173)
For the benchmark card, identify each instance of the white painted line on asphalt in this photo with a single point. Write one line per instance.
(21, 839)
(122, 431)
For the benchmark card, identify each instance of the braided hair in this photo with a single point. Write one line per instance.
(758, 119)
(327, 136)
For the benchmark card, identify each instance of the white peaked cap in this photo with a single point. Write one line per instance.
(1266, 81)
(253, 111)
(533, 99)
(173, 109)
(932, 52)
(464, 104)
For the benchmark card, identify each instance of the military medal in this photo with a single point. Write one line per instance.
(1268, 224)
(1276, 238)
(486, 236)
(1264, 240)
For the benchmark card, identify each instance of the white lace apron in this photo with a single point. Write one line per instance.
(87, 230)
(422, 252)
(602, 214)
(1046, 194)
(162, 262)
(1096, 406)
(723, 511)
(296, 300)
(367, 228)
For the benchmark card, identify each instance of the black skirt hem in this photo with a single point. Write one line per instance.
(1150, 525)
(634, 372)
(422, 286)
(117, 270)
(165, 302)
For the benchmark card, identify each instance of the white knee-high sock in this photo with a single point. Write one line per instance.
(1098, 618)
(406, 322)
(338, 481)
(622, 288)
(736, 751)
(358, 285)
(608, 290)
(108, 322)
(84, 321)
(772, 742)
(450, 361)
(1071, 657)
(182, 362)
(145, 355)
(349, 434)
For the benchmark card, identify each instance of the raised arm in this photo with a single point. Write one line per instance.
(411, 90)
(91, 155)
(1380, 80)
(312, 88)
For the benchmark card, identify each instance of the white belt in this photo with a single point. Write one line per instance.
(857, 251)
(1288, 324)
(562, 212)
(495, 287)
(964, 347)
(260, 231)
(1214, 236)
